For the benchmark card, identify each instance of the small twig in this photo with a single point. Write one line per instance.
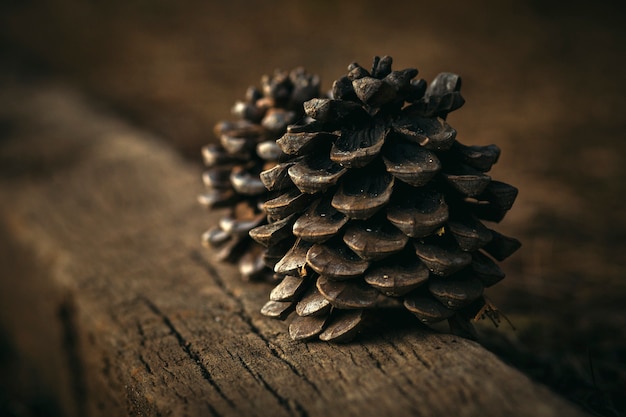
(490, 311)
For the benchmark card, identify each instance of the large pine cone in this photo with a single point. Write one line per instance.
(248, 146)
(378, 204)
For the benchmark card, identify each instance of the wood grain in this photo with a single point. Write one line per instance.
(155, 326)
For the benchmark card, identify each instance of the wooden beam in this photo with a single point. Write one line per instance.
(122, 311)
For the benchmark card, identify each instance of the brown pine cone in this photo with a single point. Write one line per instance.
(246, 147)
(378, 204)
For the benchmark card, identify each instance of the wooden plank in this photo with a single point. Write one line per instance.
(152, 325)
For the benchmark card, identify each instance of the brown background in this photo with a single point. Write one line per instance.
(542, 79)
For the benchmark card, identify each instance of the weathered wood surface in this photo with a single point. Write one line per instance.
(114, 305)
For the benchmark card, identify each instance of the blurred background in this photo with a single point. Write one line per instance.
(544, 80)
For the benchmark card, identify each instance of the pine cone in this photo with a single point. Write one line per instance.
(378, 204)
(248, 146)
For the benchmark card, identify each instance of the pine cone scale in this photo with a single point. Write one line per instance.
(374, 241)
(468, 182)
(397, 280)
(357, 148)
(307, 327)
(277, 309)
(442, 260)
(500, 194)
(343, 327)
(315, 174)
(273, 233)
(411, 163)
(361, 194)
(288, 289)
(486, 269)
(335, 260)
(313, 303)
(301, 143)
(295, 260)
(218, 178)
(500, 246)
(418, 214)
(320, 222)
(277, 178)
(286, 204)
(432, 134)
(481, 158)
(470, 234)
(245, 182)
(427, 309)
(347, 294)
(456, 292)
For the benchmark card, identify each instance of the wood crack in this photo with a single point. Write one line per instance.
(145, 364)
(186, 346)
(197, 257)
(290, 406)
(418, 356)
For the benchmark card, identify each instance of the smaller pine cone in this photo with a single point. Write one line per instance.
(246, 147)
(377, 204)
